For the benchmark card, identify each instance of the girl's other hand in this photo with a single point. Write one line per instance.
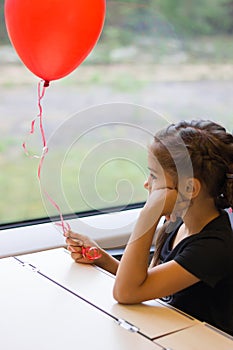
(162, 200)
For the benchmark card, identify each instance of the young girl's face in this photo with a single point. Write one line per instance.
(158, 178)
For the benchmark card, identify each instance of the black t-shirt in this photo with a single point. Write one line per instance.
(209, 256)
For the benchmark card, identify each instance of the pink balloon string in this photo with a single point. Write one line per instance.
(41, 92)
(91, 253)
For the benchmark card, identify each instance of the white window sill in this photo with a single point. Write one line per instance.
(109, 230)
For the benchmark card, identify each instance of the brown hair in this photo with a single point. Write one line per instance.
(203, 148)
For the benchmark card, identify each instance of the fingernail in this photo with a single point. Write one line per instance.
(71, 249)
(78, 241)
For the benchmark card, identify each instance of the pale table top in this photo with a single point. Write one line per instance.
(49, 302)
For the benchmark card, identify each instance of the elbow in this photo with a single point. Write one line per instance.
(123, 296)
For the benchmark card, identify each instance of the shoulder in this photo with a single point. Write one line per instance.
(221, 223)
(209, 252)
(218, 233)
(215, 239)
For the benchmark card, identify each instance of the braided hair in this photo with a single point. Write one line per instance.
(208, 148)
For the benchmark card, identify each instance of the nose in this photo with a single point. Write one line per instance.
(146, 185)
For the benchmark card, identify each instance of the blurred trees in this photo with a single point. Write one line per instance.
(199, 17)
(3, 34)
(192, 17)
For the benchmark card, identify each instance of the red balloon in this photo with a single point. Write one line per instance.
(53, 37)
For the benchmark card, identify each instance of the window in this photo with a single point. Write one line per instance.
(156, 62)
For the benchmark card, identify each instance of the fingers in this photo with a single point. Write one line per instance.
(82, 248)
(74, 239)
(76, 256)
(73, 235)
(75, 247)
(74, 244)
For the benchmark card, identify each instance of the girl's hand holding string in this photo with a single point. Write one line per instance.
(82, 248)
(86, 251)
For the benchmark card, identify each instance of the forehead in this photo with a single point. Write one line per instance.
(153, 163)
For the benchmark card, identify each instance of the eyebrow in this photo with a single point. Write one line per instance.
(152, 170)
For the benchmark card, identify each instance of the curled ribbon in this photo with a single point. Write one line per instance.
(41, 92)
(88, 252)
(91, 253)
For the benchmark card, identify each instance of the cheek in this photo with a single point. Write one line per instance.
(170, 182)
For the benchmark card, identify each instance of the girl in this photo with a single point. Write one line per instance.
(190, 183)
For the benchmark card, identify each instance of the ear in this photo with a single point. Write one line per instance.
(192, 188)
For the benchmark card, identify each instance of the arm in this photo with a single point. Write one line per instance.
(134, 282)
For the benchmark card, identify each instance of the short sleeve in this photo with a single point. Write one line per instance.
(207, 258)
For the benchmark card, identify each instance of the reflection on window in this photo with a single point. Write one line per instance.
(156, 62)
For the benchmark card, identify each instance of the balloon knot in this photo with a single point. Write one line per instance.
(46, 83)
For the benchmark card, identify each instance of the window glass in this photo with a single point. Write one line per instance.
(157, 61)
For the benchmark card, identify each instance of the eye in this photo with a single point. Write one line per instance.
(153, 177)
